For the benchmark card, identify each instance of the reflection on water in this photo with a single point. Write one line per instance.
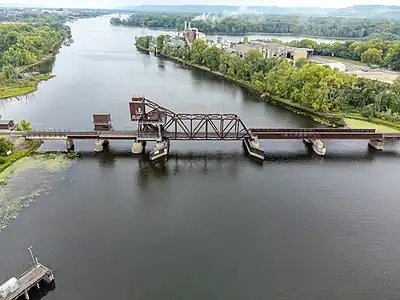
(221, 163)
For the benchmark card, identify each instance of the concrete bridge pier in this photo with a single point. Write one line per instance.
(161, 150)
(99, 145)
(69, 144)
(317, 146)
(308, 141)
(138, 147)
(252, 148)
(376, 144)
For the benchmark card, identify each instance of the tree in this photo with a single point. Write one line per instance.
(160, 42)
(23, 126)
(372, 56)
(5, 146)
(211, 58)
(246, 39)
(301, 62)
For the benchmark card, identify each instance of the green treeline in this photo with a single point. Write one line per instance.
(378, 48)
(244, 24)
(38, 17)
(372, 51)
(307, 84)
(23, 44)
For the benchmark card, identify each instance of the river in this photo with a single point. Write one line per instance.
(209, 223)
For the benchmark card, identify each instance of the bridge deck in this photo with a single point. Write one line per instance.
(261, 133)
(29, 279)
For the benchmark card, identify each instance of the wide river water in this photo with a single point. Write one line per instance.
(209, 223)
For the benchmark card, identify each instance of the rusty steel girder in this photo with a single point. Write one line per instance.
(159, 120)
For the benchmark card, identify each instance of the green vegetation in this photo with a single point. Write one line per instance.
(380, 45)
(266, 23)
(23, 87)
(313, 87)
(5, 146)
(23, 126)
(25, 44)
(144, 42)
(38, 17)
(371, 51)
(6, 161)
(362, 123)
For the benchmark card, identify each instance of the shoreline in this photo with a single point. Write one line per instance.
(15, 156)
(334, 120)
(30, 150)
(19, 89)
(330, 119)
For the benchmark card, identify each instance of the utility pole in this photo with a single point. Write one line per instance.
(35, 261)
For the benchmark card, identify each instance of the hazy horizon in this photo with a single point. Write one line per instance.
(121, 3)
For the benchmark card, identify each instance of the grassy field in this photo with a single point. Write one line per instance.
(23, 88)
(355, 123)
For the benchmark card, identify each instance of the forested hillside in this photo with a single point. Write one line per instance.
(244, 24)
(307, 84)
(23, 44)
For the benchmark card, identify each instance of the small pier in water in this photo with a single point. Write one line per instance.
(36, 277)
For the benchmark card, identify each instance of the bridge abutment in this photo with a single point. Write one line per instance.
(161, 150)
(376, 144)
(252, 148)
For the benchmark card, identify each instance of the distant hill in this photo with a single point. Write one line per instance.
(275, 10)
(370, 11)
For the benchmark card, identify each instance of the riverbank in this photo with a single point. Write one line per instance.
(15, 156)
(27, 179)
(331, 119)
(26, 86)
(8, 165)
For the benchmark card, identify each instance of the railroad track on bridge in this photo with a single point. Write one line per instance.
(161, 125)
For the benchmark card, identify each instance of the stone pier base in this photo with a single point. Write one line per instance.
(376, 144)
(99, 145)
(318, 147)
(137, 147)
(160, 150)
(253, 149)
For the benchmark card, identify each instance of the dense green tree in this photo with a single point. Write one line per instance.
(23, 44)
(372, 56)
(23, 126)
(306, 83)
(5, 146)
(243, 24)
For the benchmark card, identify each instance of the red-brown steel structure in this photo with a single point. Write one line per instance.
(155, 123)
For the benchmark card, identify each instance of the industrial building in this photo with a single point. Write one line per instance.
(193, 33)
(274, 50)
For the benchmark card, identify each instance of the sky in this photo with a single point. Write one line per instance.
(120, 3)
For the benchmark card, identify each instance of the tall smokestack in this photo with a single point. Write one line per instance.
(185, 25)
(189, 26)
